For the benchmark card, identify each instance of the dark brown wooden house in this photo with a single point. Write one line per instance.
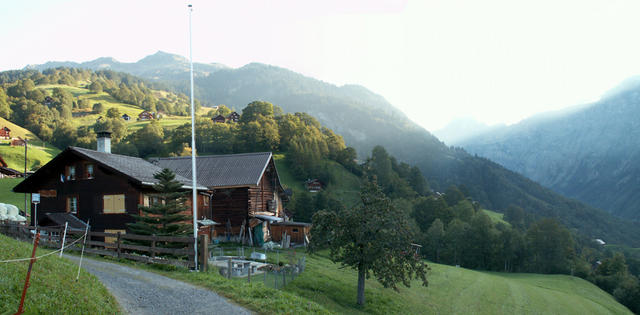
(219, 119)
(98, 186)
(244, 186)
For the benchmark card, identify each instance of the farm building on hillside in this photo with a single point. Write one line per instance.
(98, 186)
(126, 117)
(145, 116)
(219, 119)
(5, 132)
(234, 117)
(18, 142)
(313, 185)
(245, 187)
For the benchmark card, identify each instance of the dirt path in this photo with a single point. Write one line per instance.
(142, 292)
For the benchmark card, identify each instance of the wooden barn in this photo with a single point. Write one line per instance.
(5, 132)
(219, 119)
(98, 186)
(245, 187)
(18, 142)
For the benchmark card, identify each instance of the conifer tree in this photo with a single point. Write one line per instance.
(164, 216)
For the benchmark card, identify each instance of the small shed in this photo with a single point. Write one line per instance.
(126, 117)
(297, 230)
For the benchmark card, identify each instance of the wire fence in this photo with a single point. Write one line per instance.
(274, 267)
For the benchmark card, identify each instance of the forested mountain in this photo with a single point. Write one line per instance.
(365, 120)
(589, 153)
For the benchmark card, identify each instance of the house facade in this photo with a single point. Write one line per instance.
(219, 119)
(234, 117)
(98, 187)
(245, 190)
(145, 116)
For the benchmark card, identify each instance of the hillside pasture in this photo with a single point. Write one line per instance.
(454, 290)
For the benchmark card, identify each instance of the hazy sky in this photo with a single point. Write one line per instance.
(496, 61)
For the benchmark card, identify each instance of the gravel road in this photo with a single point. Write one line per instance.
(142, 292)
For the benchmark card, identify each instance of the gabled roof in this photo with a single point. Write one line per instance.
(239, 170)
(137, 169)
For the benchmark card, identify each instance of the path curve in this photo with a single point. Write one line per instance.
(142, 292)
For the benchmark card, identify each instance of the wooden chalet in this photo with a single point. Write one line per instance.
(234, 117)
(5, 132)
(313, 185)
(98, 186)
(219, 119)
(245, 187)
(145, 115)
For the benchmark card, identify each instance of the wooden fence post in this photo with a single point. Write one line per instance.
(203, 251)
(229, 265)
(249, 274)
(153, 247)
(118, 240)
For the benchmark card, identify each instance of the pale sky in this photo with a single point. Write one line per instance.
(495, 61)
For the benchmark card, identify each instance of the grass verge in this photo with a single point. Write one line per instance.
(53, 288)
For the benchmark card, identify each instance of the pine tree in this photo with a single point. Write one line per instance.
(164, 216)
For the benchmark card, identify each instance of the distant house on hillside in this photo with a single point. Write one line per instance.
(234, 117)
(99, 186)
(18, 142)
(5, 132)
(219, 119)
(48, 101)
(313, 185)
(126, 117)
(145, 116)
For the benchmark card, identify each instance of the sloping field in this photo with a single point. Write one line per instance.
(454, 290)
(53, 289)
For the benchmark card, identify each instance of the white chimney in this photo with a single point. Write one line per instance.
(104, 141)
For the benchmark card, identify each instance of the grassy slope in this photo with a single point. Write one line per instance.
(38, 151)
(455, 291)
(496, 217)
(8, 196)
(346, 185)
(53, 287)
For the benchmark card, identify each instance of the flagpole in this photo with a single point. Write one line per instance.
(194, 200)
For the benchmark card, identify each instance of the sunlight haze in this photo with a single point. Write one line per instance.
(495, 61)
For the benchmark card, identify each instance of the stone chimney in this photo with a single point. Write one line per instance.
(104, 141)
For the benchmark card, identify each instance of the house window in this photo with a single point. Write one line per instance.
(113, 204)
(71, 172)
(88, 171)
(295, 230)
(72, 204)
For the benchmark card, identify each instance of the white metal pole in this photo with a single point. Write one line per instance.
(84, 242)
(194, 200)
(64, 238)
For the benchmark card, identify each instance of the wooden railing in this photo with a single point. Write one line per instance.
(180, 252)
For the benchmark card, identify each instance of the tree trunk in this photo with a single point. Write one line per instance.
(361, 285)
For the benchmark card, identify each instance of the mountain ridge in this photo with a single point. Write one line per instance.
(365, 119)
